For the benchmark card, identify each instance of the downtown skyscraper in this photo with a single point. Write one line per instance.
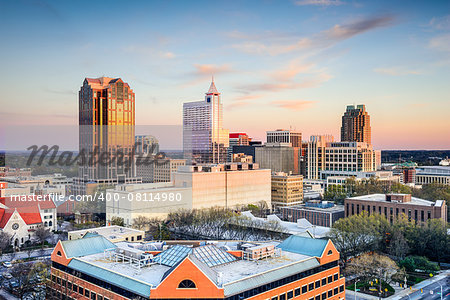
(106, 133)
(356, 125)
(204, 139)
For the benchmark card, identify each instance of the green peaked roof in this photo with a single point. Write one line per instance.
(304, 245)
(86, 246)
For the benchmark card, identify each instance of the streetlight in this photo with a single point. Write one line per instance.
(356, 287)
(441, 288)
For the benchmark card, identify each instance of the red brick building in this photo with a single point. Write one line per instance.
(95, 268)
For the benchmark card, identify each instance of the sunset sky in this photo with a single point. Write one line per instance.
(278, 64)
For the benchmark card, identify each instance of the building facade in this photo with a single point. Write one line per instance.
(350, 157)
(287, 190)
(284, 136)
(95, 268)
(315, 155)
(225, 185)
(356, 125)
(432, 174)
(204, 138)
(146, 145)
(21, 215)
(158, 169)
(106, 133)
(317, 213)
(237, 139)
(392, 206)
(279, 158)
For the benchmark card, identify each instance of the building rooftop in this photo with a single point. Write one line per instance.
(382, 198)
(92, 256)
(319, 206)
(301, 227)
(433, 170)
(110, 232)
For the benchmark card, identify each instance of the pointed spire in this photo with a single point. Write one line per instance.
(212, 88)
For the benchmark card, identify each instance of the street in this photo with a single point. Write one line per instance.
(435, 287)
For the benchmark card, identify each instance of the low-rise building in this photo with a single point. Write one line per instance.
(21, 215)
(317, 213)
(158, 169)
(242, 158)
(224, 185)
(113, 233)
(95, 268)
(392, 206)
(432, 174)
(287, 190)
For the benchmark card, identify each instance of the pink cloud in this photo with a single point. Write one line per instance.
(296, 105)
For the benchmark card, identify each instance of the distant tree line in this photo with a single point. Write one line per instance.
(421, 157)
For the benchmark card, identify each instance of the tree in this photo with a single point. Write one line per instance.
(117, 221)
(398, 245)
(421, 263)
(5, 241)
(41, 234)
(336, 193)
(20, 273)
(358, 234)
(373, 266)
(141, 222)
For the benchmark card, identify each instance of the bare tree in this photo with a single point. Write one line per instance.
(5, 241)
(41, 234)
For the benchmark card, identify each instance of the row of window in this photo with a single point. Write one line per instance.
(383, 209)
(283, 281)
(97, 282)
(68, 288)
(297, 292)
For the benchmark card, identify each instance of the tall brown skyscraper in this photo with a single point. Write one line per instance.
(356, 125)
(106, 133)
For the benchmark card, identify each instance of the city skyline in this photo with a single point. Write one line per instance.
(303, 61)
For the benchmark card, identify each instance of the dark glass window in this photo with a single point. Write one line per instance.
(186, 284)
(330, 279)
(317, 284)
(283, 297)
(304, 289)
(336, 277)
(297, 292)
(324, 281)
(311, 286)
(290, 294)
(324, 296)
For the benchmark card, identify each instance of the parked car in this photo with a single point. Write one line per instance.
(7, 275)
(7, 264)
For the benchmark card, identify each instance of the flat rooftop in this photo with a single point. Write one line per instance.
(92, 255)
(110, 232)
(382, 198)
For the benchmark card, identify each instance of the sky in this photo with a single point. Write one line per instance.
(278, 64)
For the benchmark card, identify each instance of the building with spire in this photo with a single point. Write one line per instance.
(204, 139)
(356, 125)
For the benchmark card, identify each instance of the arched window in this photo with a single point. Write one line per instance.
(46, 223)
(329, 252)
(186, 284)
(50, 223)
(59, 253)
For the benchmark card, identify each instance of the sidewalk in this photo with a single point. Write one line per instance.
(24, 254)
(417, 287)
(399, 292)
